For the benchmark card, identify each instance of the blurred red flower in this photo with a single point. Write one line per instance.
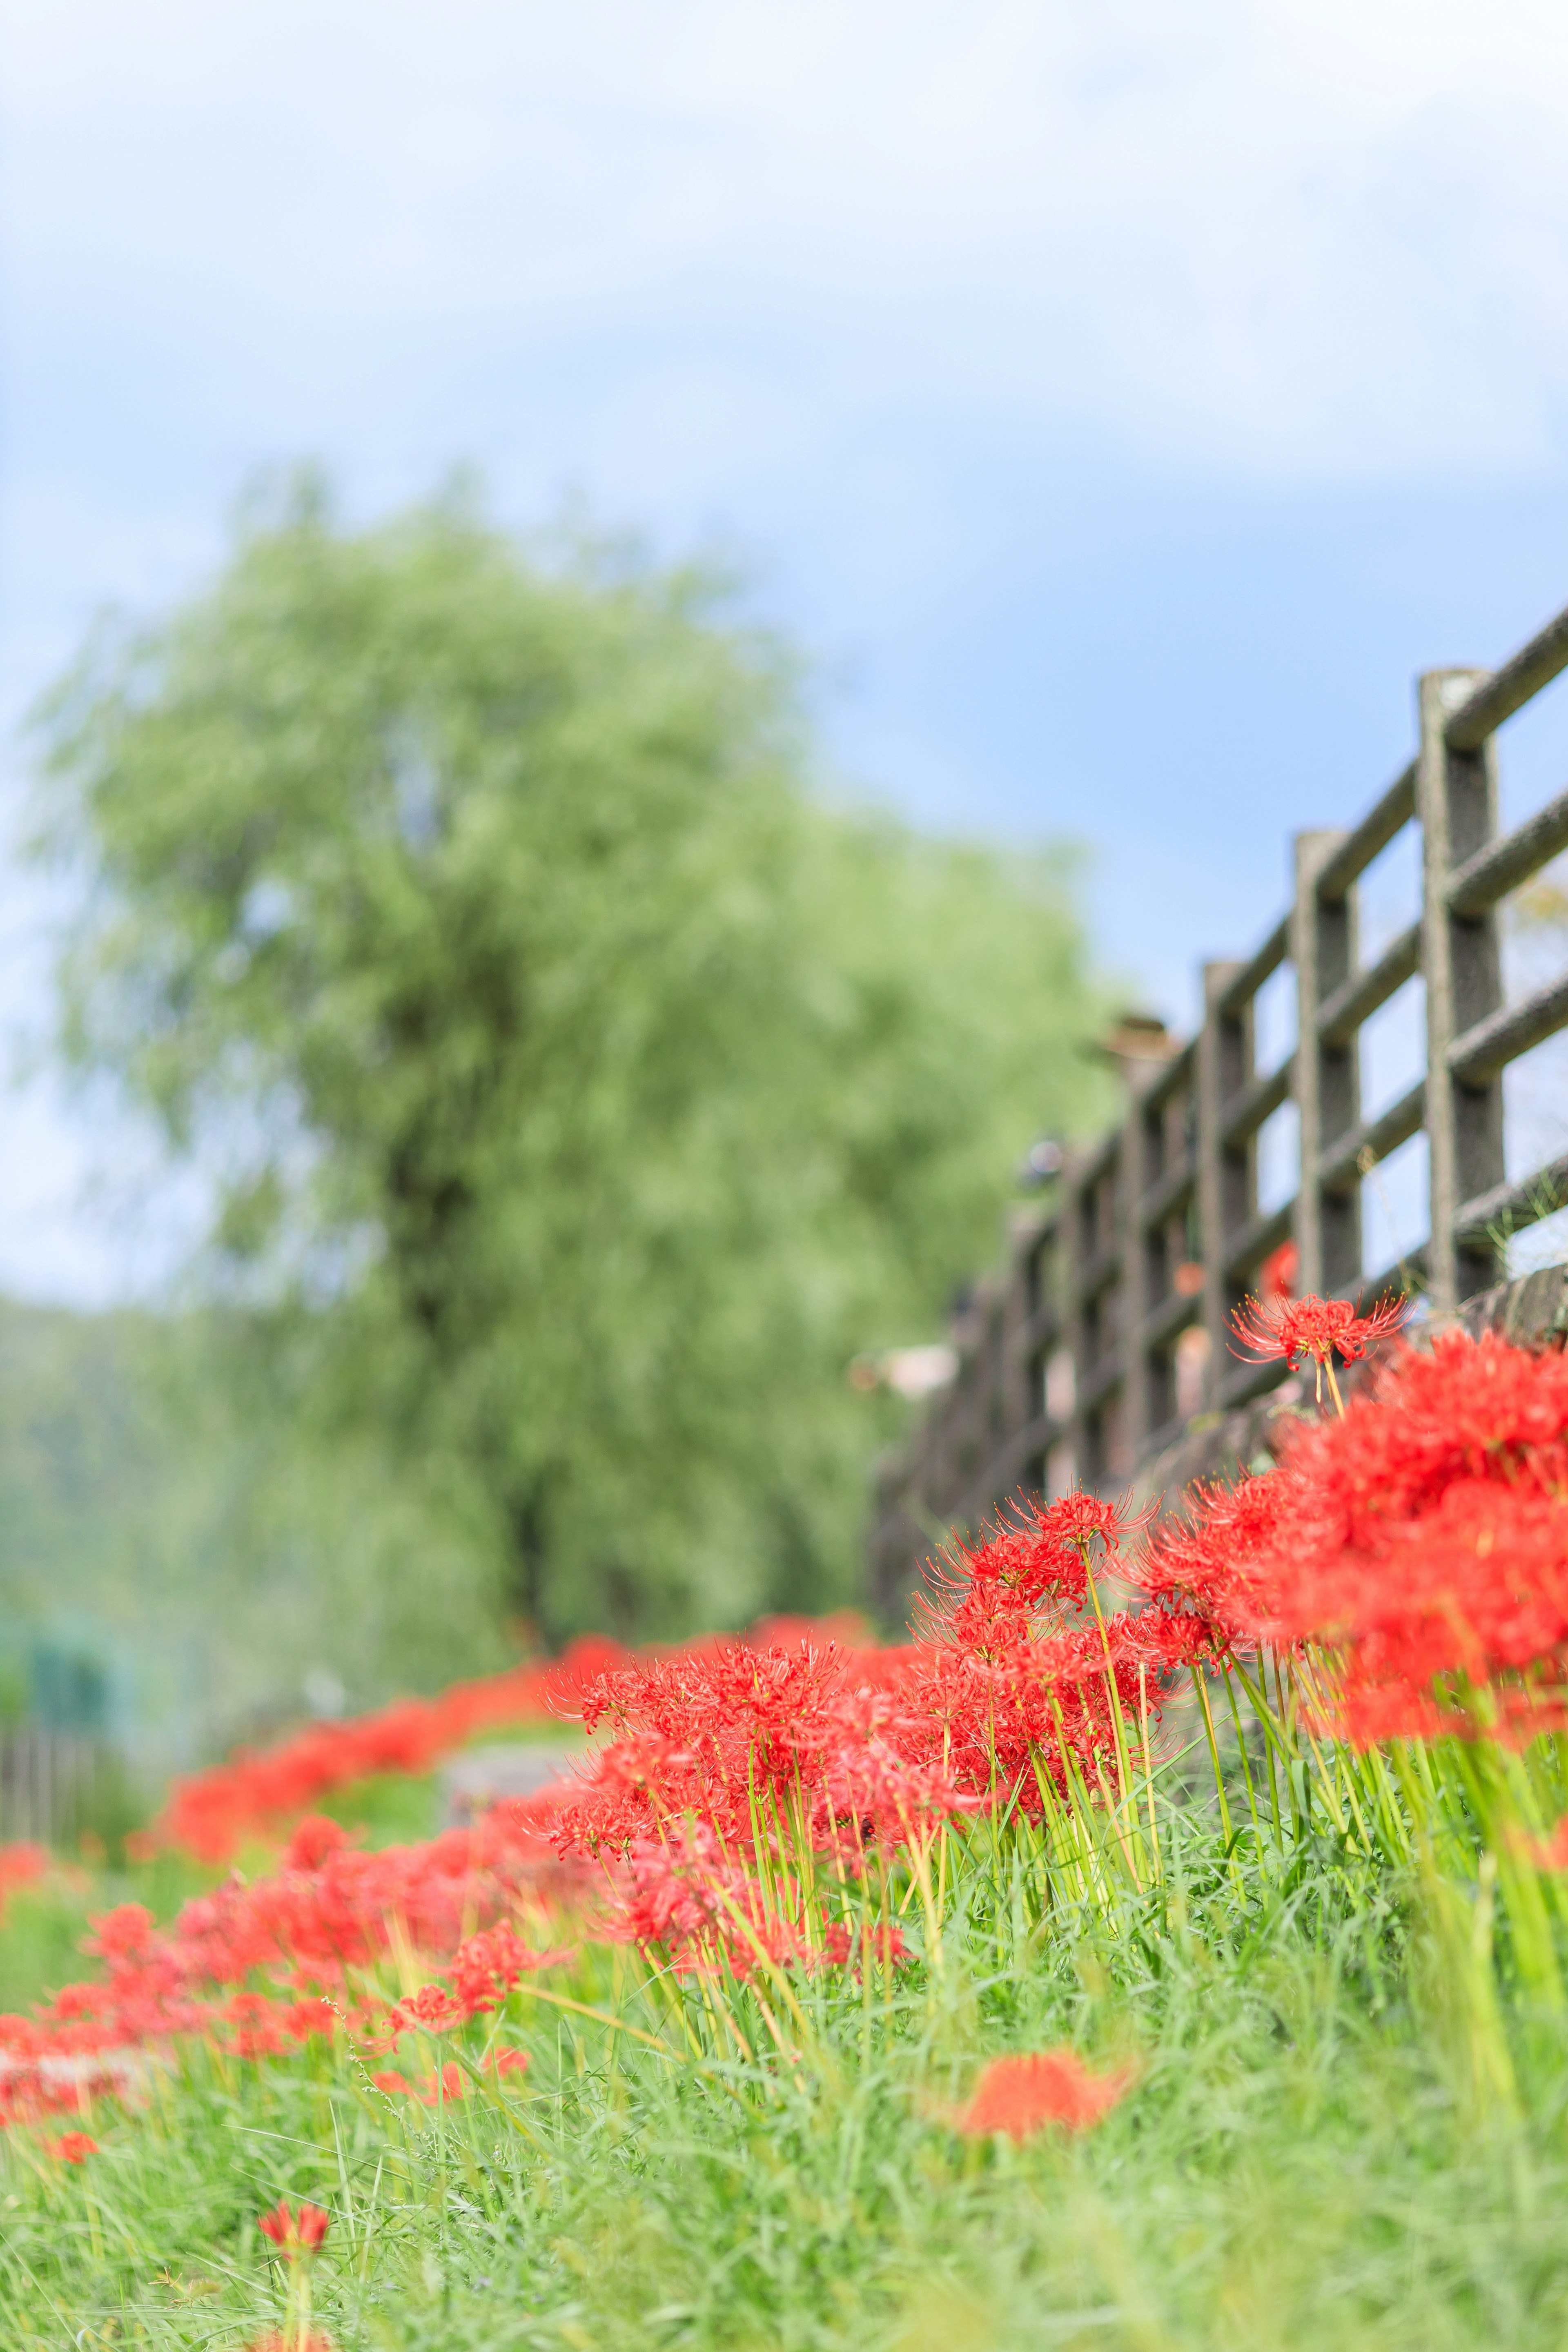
(296, 2233)
(74, 2147)
(1020, 2095)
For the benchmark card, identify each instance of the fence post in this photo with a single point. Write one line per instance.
(1457, 801)
(1137, 1291)
(1016, 1414)
(1224, 1185)
(1327, 1082)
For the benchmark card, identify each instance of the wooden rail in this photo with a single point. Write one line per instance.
(46, 1780)
(1073, 1362)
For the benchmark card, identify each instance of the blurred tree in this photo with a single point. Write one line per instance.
(578, 1090)
(172, 1524)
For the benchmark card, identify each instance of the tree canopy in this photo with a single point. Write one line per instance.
(578, 1087)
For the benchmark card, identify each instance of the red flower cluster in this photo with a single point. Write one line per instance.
(728, 1754)
(213, 1813)
(309, 1929)
(1420, 1543)
(680, 1892)
(1018, 2096)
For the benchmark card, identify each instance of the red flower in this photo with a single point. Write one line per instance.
(19, 1864)
(74, 2147)
(430, 2010)
(317, 1837)
(1319, 1327)
(1035, 1559)
(1018, 2095)
(511, 2061)
(1419, 1547)
(1278, 1275)
(296, 2233)
(450, 2084)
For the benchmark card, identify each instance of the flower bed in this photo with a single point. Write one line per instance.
(968, 1892)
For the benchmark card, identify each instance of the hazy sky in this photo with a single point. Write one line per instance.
(1123, 401)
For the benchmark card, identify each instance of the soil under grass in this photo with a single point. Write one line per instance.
(1309, 2157)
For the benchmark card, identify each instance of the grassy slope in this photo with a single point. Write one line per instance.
(1301, 2163)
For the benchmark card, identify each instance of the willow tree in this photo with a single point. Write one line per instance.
(577, 1089)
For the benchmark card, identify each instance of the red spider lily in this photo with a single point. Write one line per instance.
(430, 2010)
(1207, 1566)
(447, 2084)
(1019, 2096)
(724, 1753)
(75, 2148)
(19, 1864)
(295, 2233)
(1036, 1560)
(509, 2061)
(681, 1894)
(732, 1762)
(443, 2088)
(1319, 1327)
(306, 1931)
(1278, 1274)
(213, 1813)
(485, 1968)
(1419, 1545)
(867, 1793)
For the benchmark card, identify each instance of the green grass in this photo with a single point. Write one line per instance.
(1306, 2159)
(43, 1924)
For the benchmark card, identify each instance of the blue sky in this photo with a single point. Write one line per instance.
(1122, 401)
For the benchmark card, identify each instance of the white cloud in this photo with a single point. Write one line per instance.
(1301, 238)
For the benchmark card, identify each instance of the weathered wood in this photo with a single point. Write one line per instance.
(1226, 1174)
(1502, 692)
(1173, 1189)
(1509, 1207)
(1456, 800)
(1245, 1114)
(1503, 864)
(1488, 1048)
(1341, 1165)
(47, 1779)
(1327, 1074)
(1361, 993)
(1142, 1269)
(1258, 1239)
(1376, 830)
(1247, 977)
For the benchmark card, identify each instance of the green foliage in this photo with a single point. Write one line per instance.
(168, 1515)
(1293, 2167)
(587, 1090)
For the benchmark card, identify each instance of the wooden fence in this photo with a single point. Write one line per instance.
(1072, 1362)
(47, 1781)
